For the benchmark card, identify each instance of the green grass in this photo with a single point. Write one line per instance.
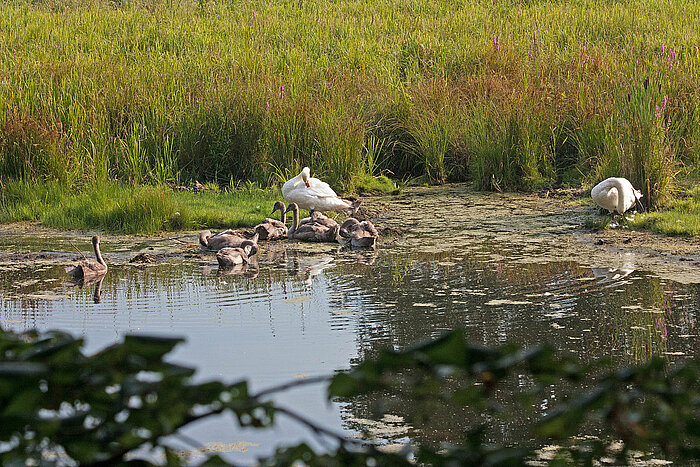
(681, 217)
(677, 217)
(367, 184)
(116, 207)
(154, 91)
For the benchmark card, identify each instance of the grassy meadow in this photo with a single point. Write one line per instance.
(504, 94)
(133, 209)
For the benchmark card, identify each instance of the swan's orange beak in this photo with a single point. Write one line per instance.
(307, 185)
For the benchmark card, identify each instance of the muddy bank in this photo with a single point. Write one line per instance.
(450, 220)
(513, 227)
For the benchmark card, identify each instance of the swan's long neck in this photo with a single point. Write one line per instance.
(283, 215)
(98, 255)
(295, 219)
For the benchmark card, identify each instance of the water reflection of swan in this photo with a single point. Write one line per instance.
(251, 269)
(367, 257)
(611, 274)
(97, 296)
(88, 268)
(274, 253)
(615, 194)
(314, 195)
(318, 228)
(273, 229)
(309, 266)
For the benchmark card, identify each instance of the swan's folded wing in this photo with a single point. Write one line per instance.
(320, 189)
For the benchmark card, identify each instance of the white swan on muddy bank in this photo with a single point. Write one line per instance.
(313, 194)
(616, 194)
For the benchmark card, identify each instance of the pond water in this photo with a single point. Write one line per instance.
(503, 267)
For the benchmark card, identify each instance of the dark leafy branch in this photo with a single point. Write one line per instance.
(99, 408)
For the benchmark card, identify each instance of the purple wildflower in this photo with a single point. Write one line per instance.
(281, 93)
(659, 110)
(496, 43)
(267, 106)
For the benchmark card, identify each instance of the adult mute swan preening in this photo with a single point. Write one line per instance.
(359, 234)
(273, 229)
(312, 231)
(314, 195)
(88, 268)
(616, 194)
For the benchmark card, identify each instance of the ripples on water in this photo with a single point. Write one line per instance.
(299, 314)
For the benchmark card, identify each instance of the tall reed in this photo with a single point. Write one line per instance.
(507, 95)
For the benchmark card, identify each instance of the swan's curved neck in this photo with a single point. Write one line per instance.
(98, 255)
(204, 239)
(283, 216)
(295, 219)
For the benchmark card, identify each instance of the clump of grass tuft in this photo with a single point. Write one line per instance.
(367, 184)
(681, 217)
(598, 223)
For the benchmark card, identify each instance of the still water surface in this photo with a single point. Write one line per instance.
(503, 268)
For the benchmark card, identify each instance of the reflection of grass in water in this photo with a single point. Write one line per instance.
(120, 208)
(636, 330)
(400, 269)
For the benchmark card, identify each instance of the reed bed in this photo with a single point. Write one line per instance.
(508, 95)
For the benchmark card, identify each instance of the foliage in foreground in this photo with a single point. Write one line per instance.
(55, 401)
(505, 94)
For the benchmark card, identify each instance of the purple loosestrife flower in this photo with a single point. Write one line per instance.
(281, 93)
(659, 110)
(267, 106)
(496, 43)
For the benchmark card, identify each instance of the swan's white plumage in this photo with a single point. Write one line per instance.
(313, 194)
(616, 194)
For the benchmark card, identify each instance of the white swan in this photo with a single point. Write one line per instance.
(314, 195)
(615, 194)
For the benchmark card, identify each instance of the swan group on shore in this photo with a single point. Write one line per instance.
(614, 194)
